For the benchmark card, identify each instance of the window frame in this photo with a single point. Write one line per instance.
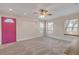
(75, 25)
(41, 27)
(49, 26)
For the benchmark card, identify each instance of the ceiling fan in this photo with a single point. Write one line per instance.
(43, 12)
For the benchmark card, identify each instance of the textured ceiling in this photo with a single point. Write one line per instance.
(57, 9)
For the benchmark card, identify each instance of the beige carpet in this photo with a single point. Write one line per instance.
(37, 46)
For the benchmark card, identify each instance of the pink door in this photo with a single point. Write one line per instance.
(8, 30)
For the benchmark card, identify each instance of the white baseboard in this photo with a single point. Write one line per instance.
(28, 38)
(61, 38)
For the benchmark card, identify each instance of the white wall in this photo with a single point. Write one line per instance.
(59, 28)
(26, 28)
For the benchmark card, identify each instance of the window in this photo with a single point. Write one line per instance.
(41, 27)
(49, 27)
(9, 21)
(71, 26)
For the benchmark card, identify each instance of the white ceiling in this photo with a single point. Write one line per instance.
(57, 9)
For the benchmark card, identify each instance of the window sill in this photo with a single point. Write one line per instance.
(72, 35)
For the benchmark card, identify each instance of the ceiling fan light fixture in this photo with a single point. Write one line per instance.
(10, 9)
(42, 16)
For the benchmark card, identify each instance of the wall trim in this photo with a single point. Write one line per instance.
(63, 38)
(29, 38)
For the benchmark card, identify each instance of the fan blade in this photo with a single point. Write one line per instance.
(41, 10)
(50, 14)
